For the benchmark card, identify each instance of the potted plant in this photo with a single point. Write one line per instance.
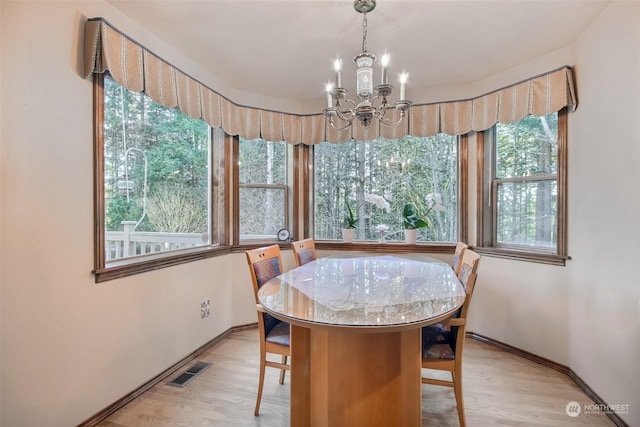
(411, 222)
(349, 225)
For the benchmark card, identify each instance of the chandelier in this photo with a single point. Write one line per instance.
(373, 100)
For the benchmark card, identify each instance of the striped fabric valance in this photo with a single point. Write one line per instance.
(139, 70)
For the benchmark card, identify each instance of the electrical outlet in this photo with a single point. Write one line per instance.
(205, 308)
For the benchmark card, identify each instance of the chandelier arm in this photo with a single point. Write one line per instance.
(381, 110)
(352, 102)
(382, 102)
(389, 124)
(348, 117)
(345, 127)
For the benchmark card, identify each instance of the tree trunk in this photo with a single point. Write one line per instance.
(268, 214)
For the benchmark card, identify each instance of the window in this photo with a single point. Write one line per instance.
(263, 188)
(155, 196)
(524, 186)
(377, 178)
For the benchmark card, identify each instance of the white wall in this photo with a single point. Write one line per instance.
(2, 181)
(70, 347)
(604, 200)
(587, 314)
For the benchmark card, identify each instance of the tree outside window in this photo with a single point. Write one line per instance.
(263, 190)
(378, 178)
(156, 176)
(526, 182)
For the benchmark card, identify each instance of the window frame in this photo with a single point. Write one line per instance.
(487, 198)
(225, 225)
(219, 164)
(291, 188)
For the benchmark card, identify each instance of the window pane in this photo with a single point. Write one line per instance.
(526, 213)
(262, 212)
(528, 147)
(377, 178)
(526, 186)
(263, 188)
(156, 176)
(263, 162)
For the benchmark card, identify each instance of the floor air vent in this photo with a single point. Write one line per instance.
(187, 376)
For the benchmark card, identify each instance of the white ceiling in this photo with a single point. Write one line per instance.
(286, 48)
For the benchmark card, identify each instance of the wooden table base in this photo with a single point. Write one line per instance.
(345, 378)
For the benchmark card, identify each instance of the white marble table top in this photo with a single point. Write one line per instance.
(364, 292)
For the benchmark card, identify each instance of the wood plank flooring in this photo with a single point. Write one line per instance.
(500, 389)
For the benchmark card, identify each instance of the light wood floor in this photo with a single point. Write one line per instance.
(500, 389)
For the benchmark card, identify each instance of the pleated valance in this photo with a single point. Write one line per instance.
(139, 70)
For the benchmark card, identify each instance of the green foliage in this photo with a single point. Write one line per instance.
(175, 148)
(350, 219)
(410, 219)
(118, 210)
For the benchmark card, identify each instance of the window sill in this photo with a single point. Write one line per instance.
(376, 247)
(254, 244)
(388, 247)
(122, 269)
(522, 256)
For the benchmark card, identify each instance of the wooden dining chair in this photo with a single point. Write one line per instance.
(457, 256)
(304, 251)
(264, 264)
(442, 344)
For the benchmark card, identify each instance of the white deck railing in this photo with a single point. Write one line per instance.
(121, 244)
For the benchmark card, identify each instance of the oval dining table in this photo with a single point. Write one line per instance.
(356, 335)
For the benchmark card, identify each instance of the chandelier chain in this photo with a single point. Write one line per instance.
(364, 29)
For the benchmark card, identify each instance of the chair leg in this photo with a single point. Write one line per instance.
(282, 371)
(260, 383)
(457, 390)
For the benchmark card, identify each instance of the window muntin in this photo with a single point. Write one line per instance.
(263, 188)
(377, 178)
(156, 188)
(526, 197)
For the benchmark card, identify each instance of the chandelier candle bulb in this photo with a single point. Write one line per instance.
(337, 66)
(329, 88)
(385, 63)
(403, 82)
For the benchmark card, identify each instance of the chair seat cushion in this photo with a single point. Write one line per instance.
(279, 334)
(438, 351)
(437, 343)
